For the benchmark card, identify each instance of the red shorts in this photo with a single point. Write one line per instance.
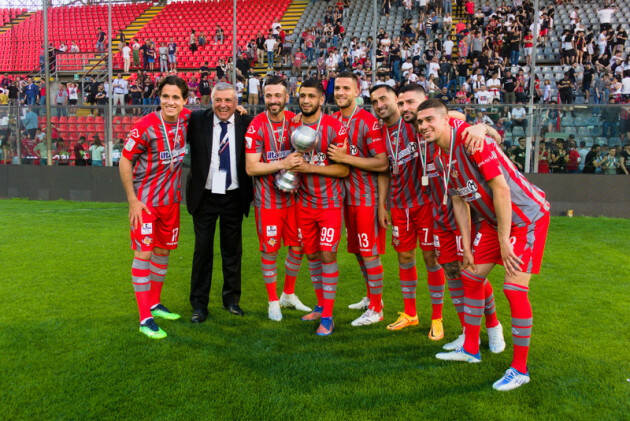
(365, 235)
(158, 229)
(448, 246)
(412, 226)
(320, 228)
(276, 226)
(528, 243)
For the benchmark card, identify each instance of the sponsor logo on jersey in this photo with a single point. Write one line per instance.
(274, 156)
(492, 157)
(130, 144)
(248, 142)
(319, 159)
(354, 150)
(165, 155)
(272, 230)
(146, 228)
(470, 189)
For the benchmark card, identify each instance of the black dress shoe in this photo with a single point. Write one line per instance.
(198, 316)
(235, 309)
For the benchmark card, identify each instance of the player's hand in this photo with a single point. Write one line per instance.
(297, 118)
(135, 213)
(383, 217)
(474, 137)
(338, 154)
(303, 167)
(468, 261)
(511, 261)
(241, 110)
(292, 160)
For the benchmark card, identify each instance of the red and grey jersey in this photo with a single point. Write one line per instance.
(157, 158)
(318, 191)
(272, 141)
(365, 141)
(405, 170)
(443, 216)
(469, 176)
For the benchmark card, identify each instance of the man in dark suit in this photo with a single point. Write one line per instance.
(217, 188)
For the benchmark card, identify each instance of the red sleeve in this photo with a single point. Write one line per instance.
(374, 137)
(253, 139)
(487, 160)
(136, 143)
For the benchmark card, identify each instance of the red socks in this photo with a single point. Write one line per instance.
(374, 281)
(330, 277)
(315, 270)
(522, 322)
(158, 267)
(270, 274)
(474, 303)
(436, 280)
(490, 310)
(408, 283)
(291, 270)
(456, 288)
(141, 279)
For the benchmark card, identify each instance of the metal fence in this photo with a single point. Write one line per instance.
(79, 137)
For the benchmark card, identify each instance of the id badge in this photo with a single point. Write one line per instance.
(425, 180)
(218, 182)
(395, 169)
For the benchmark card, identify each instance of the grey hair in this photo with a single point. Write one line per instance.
(223, 86)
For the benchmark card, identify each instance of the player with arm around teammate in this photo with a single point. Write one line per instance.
(366, 158)
(513, 232)
(150, 170)
(268, 150)
(320, 201)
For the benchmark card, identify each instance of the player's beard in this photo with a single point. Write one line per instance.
(309, 113)
(280, 109)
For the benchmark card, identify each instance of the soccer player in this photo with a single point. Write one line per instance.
(320, 201)
(367, 157)
(449, 253)
(150, 170)
(515, 220)
(268, 151)
(410, 207)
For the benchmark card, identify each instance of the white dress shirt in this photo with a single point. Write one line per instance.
(214, 160)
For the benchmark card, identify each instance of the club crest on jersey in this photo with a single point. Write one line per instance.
(272, 242)
(413, 147)
(354, 150)
(376, 126)
(342, 131)
(454, 173)
(147, 241)
(248, 142)
(251, 130)
(319, 159)
(272, 230)
(146, 228)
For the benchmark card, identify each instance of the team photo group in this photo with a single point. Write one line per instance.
(411, 167)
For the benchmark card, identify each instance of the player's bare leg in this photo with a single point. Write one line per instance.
(435, 281)
(291, 269)
(373, 273)
(408, 282)
(364, 302)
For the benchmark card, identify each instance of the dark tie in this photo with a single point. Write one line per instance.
(224, 153)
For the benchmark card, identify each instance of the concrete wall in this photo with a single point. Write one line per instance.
(585, 194)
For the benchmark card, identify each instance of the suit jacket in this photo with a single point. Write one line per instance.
(200, 141)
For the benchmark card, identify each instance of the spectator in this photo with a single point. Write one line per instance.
(73, 97)
(135, 49)
(610, 163)
(605, 17)
(624, 157)
(583, 151)
(126, 55)
(610, 119)
(192, 41)
(205, 89)
(97, 152)
(565, 89)
(518, 117)
(218, 35)
(31, 91)
(79, 153)
(163, 54)
(100, 40)
(61, 156)
(172, 55)
(61, 100)
(201, 39)
(117, 151)
(591, 158)
(120, 89)
(253, 90)
(270, 47)
(544, 156)
(41, 151)
(573, 157)
(74, 48)
(135, 92)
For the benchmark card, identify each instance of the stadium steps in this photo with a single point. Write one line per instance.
(129, 32)
(15, 21)
(290, 21)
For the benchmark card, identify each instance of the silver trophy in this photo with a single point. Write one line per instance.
(303, 140)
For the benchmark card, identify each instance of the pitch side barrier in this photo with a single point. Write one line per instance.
(583, 194)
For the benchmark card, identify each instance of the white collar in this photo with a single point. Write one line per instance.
(216, 120)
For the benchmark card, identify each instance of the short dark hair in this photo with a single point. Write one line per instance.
(349, 75)
(313, 83)
(276, 80)
(432, 103)
(384, 86)
(174, 80)
(412, 87)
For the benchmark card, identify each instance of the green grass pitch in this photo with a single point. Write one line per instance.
(70, 349)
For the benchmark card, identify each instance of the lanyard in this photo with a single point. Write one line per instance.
(346, 125)
(391, 147)
(319, 122)
(276, 142)
(448, 172)
(168, 143)
(423, 161)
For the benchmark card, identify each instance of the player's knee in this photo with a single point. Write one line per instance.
(405, 257)
(144, 255)
(161, 252)
(313, 256)
(329, 257)
(430, 260)
(452, 270)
